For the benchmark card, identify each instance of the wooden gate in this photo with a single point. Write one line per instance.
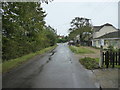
(111, 58)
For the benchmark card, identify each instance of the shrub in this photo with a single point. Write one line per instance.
(90, 63)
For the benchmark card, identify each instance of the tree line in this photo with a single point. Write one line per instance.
(24, 29)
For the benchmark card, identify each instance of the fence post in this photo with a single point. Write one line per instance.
(107, 59)
(116, 54)
(111, 57)
(101, 57)
(119, 58)
(113, 60)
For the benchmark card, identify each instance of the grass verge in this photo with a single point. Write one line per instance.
(110, 66)
(90, 63)
(8, 65)
(80, 50)
(93, 63)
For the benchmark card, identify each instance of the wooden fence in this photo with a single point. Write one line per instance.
(110, 59)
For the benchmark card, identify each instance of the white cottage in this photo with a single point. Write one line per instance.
(107, 35)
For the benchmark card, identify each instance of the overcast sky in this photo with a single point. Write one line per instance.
(60, 13)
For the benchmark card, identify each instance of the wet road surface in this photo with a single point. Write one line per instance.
(56, 69)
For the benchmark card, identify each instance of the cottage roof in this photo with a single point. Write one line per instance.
(115, 34)
(97, 28)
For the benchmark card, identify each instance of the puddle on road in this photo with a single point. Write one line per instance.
(52, 53)
(50, 57)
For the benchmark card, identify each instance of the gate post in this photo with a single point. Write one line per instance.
(101, 57)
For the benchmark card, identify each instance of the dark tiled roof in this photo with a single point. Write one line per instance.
(111, 35)
(107, 24)
(97, 28)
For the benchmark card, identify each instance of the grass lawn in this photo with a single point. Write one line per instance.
(8, 65)
(90, 63)
(80, 50)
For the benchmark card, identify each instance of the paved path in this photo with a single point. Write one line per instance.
(58, 69)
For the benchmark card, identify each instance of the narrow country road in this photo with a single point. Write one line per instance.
(56, 69)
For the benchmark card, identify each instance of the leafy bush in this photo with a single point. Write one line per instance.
(90, 63)
(111, 48)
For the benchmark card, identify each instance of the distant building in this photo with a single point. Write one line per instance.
(60, 37)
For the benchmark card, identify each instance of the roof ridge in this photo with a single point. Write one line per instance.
(104, 25)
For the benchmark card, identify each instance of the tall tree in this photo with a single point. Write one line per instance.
(23, 29)
(46, 1)
(81, 27)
